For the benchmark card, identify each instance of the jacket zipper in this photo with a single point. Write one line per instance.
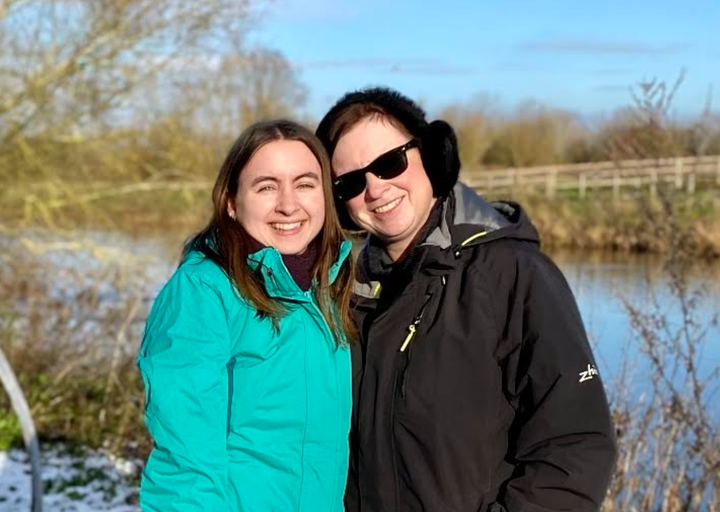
(412, 328)
(405, 348)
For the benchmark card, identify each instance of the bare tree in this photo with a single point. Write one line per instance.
(68, 65)
(241, 88)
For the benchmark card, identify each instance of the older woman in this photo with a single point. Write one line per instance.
(245, 358)
(474, 385)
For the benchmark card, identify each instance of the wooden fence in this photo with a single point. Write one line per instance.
(687, 173)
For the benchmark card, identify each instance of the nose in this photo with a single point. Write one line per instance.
(287, 201)
(375, 187)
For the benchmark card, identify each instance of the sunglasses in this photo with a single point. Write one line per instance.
(387, 166)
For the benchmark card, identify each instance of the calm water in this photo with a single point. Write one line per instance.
(602, 282)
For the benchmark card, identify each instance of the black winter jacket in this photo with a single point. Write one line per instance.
(475, 388)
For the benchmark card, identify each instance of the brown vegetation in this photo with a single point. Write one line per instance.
(667, 421)
(73, 351)
(534, 135)
(599, 223)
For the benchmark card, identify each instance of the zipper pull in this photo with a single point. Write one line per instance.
(412, 328)
(409, 337)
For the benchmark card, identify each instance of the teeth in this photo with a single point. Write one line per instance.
(286, 227)
(388, 207)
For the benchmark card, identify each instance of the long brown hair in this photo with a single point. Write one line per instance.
(226, 242)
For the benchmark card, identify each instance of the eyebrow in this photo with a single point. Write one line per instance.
(309, 174)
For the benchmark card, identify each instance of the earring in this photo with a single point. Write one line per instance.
(232, 214)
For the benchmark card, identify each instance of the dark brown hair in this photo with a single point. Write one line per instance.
(352, 115)
(226, 242)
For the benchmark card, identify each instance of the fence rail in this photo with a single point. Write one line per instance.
(687, 173)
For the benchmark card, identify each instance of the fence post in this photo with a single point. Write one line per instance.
(513, 179)
(20, 406)
(678, 173)
(653, 183)
(691, 182)
(582, 185)
(616, 184)
(551, 183)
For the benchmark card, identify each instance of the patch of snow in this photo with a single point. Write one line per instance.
(83, 481)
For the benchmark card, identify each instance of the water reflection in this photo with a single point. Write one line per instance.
(602, 282)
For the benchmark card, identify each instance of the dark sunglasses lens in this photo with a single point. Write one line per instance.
(390, 165)
(350, 185)
(387, 166)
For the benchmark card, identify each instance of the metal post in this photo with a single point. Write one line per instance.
(20, 406)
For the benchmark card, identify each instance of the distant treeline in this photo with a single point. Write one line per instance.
(533, 134)
(148, 89)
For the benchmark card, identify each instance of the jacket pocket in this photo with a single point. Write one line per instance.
(403, 372)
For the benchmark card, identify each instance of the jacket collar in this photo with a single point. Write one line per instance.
(278, 281)
(464, 206)
(466, 221)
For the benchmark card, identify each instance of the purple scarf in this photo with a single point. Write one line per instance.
(299, 265)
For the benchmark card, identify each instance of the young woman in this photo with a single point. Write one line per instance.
(475, 388)
(245, 357)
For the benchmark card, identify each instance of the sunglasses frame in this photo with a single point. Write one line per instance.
(402, 150)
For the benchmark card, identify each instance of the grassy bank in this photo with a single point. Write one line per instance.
(631, 225)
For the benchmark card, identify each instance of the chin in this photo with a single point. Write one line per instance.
(290, 249)
(394, 233)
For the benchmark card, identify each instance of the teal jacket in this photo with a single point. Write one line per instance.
(244, 419)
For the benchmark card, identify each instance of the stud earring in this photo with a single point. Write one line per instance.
(232, 214)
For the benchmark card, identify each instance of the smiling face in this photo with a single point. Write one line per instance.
(394, 210)
(280, 200)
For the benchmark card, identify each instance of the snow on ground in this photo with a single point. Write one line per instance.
(84, 481)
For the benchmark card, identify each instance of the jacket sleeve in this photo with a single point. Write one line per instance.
(183, 362)
(563, 442)
(352, 488)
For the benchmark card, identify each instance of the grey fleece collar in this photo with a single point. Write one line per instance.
(469, 208)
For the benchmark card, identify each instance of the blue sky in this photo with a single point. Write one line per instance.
(581, 55)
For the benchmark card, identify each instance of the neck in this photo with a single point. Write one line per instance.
(397, 250)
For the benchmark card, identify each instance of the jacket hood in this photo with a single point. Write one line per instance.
(467, 215)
